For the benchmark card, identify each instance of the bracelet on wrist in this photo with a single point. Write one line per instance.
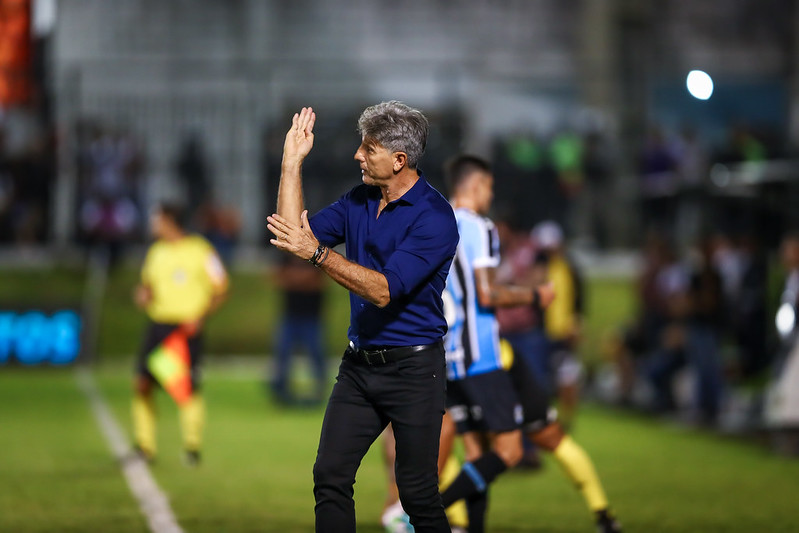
(315, 257)
(324, 257)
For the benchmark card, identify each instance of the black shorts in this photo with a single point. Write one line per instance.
(155, 334)
(534, 399)
(484, 402)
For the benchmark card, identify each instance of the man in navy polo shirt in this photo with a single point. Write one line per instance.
(400, 236)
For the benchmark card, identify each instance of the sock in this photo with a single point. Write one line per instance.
(477, 504)
(474, 477)
(456, 513)
(192, 421)
(143, 412)
(578, 466)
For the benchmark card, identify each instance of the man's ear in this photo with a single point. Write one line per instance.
(400, 160)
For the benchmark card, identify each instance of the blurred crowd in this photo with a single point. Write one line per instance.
(571, 176)
(700, 345)
(705, 310)
(113, 191)
(27, 176)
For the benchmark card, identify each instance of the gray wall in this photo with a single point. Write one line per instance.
(231, 67)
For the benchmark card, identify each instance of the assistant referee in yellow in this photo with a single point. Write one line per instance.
(182, 282)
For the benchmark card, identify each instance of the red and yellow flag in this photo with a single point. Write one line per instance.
(170, 364)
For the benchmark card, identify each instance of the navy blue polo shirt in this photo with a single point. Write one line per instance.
(412, 243)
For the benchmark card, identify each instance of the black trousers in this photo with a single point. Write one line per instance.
(410, 394)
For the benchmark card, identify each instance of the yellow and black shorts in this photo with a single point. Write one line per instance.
(155, 335)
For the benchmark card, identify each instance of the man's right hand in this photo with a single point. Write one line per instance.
(299, 139)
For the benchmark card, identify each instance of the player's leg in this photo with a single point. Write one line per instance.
(578, 466)
(568, 372)
(350, 425)
(144, 417)
(543, 429)
(489, 406)
(192, 412)
(143, 410)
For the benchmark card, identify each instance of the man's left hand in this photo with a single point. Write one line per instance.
(297, 240)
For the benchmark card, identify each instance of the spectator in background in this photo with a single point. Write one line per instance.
(692, 167)
(221, 226)
(742, 147)
(642, 336)
(658, 183)
(696, 311)
(110, 212)
(529, 187)
(670, 290)
(705, 325)
(27, 169)
(563, 318)
(566, 156)
(742, 267)
(302, 286)
(594, 199)
(193, 172)
(6, 191)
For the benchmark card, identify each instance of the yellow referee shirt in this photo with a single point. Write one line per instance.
(183, 275)
(560, 318)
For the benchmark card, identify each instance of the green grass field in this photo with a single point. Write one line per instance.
(58, 474)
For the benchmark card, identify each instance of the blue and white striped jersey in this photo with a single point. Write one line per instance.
(472, 340)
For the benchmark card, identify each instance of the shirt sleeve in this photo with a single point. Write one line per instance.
(216, 272)
(480, 242)
(328, 225)
(429, 243)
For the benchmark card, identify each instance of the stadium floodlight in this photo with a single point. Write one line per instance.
(785, 320)
(699, 84)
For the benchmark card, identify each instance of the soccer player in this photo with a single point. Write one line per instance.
(183, 281)
(400, 236)
(482, 397)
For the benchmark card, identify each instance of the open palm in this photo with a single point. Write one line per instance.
(299, 139)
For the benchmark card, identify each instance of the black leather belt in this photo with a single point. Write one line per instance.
(384, 355)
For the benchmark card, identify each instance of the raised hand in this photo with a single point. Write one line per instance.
(299, 139)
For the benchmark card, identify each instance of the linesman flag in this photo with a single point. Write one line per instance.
(170, 364)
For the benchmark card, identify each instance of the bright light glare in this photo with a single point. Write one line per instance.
(699, 84)
(786, 319)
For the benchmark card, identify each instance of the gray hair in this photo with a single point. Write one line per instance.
(397, 127)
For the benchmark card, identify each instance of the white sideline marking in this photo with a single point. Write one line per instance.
(152, 501)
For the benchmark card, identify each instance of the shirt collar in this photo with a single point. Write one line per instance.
(414, 193)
